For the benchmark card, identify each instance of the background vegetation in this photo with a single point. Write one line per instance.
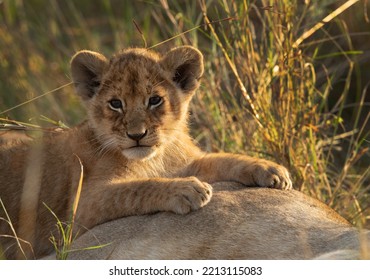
(272, 88)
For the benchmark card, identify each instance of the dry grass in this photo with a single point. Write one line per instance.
(20, 243)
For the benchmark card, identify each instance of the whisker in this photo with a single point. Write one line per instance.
(107, 146)
(102, 144)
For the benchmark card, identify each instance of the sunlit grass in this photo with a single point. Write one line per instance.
(20, 243)
(67, 232)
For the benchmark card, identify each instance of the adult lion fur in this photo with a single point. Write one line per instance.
(238, 223)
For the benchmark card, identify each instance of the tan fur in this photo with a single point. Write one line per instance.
(137, 155)
(238, 223)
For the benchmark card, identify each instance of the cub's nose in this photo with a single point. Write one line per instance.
(137, 136)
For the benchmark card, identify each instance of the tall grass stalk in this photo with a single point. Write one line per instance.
(66, 230)
(14, 235)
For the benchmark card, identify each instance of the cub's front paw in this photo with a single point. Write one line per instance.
(272, 175)
(188, 195)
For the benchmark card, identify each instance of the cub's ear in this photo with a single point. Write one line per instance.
(87, 69)
(186, 66)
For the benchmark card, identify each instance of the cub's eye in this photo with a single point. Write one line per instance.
(115, 104)
(155, 101)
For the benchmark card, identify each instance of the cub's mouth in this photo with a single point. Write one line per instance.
(139, 152)
(139, 146)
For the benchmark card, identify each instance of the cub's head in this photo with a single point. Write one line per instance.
(138, 100)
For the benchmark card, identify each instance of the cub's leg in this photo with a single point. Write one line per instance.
(239, 168)
(100, 203)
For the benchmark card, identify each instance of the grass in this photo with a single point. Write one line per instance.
(67, 232)
(19, 242)
(270, 97)
(284, 80)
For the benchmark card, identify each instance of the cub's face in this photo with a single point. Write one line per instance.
(137, 100)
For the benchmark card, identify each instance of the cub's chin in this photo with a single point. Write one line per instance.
(139, 153)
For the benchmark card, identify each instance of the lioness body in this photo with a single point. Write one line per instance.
(135, 149)
(238, 223)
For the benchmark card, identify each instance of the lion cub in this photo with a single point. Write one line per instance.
(135, 148)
